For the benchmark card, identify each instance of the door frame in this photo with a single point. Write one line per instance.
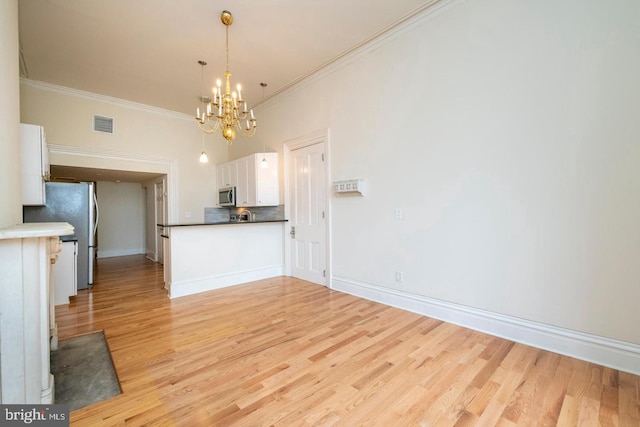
(318, 137)
(160, 217)
(65, 155)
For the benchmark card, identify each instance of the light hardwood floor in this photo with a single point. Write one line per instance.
(285, 352)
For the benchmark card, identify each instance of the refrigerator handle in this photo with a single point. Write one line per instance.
(95, 203)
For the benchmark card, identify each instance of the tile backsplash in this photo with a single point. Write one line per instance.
(212, 215)
(260, 213)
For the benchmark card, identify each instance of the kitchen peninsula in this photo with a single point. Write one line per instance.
(203, 257)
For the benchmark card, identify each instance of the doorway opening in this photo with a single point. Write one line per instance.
(139, 178)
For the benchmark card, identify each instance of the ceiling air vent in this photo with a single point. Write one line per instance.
(102, 124)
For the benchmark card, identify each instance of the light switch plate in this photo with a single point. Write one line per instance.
(352, 187)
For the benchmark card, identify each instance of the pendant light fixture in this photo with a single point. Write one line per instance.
(203, 156)
(263, 163)
(227, 111)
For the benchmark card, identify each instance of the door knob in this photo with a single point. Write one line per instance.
(293, 232)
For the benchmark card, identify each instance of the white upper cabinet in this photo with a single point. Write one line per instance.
(227, 174)
(35, 164)
(257, 181)
(267, 189)
(245, 191)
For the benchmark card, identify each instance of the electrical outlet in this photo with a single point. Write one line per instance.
(399, 213)
(398, 276)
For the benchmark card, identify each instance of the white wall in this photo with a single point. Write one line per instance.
(145, 139)
(10, 174)
(121, 228)
(508, 134)
(11, 178)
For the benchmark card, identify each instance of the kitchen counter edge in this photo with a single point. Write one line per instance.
(223, 223)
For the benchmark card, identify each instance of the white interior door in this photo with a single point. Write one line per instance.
(307, 213)
(160, 219)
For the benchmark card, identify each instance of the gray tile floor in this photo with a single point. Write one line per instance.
(83, 371)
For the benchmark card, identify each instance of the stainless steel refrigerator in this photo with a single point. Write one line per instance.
(77, 205)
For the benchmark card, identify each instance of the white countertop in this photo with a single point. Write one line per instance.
(36, 229)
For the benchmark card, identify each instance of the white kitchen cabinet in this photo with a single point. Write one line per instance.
(267, 184)
(227, 174)
(65, 273)
(245, 192)
(35, 164)
(220, 176)
(258, 185)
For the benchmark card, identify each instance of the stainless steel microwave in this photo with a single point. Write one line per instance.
(227, 196)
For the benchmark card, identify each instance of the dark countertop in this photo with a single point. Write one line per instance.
(224, 223)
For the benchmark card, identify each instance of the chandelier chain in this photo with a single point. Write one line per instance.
(227, 44)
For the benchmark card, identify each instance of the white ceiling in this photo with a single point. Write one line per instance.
(146, 51)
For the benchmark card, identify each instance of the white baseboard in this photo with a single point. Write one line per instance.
(592, 348)
(180, 289)
(109, 253)
(47, 394)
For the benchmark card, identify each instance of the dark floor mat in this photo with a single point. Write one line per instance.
(83, 371)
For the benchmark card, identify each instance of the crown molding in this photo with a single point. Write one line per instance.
(108, 154)
(119, 102)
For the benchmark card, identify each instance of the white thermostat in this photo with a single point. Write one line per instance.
(353, 187)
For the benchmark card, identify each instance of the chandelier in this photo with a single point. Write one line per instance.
(227, 111)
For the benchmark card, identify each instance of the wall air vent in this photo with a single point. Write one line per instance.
(102, 124)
